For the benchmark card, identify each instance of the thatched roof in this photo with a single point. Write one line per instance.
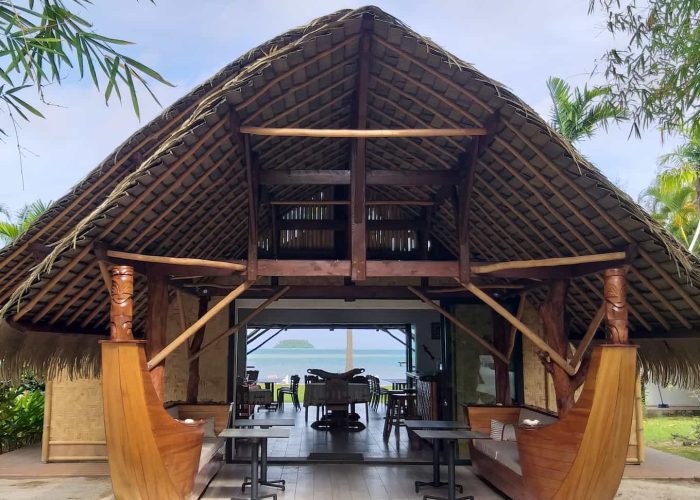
(177, 187)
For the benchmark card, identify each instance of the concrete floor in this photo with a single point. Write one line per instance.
(99, 488)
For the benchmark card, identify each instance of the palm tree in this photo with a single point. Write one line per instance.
(682, 173)
(675, 209)
(579, 114)
(13, 227)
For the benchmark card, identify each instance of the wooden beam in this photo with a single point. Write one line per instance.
(513, 328)
(156, 327)
(341, 225)
(588, 337)
(358, 158)
(252, 183)
(375, 268)
(363, 133)
(106, 277)
(461, 326)
(532, 336)
(193, 348)
(400, 177)
(464, 200)
(169, 264)
(370, 203)
(182, 338)
(234, 329)
(558, 267)
(502, 378)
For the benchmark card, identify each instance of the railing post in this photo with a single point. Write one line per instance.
(122, 303)
(614, 290)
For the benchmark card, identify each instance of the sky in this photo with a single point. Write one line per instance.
(519, 43)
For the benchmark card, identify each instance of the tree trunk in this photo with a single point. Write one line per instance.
(156, 327)
(192, 349)
(502, 375)
(552, 313)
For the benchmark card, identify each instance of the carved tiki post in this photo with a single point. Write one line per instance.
(122, 303)
(614, 285)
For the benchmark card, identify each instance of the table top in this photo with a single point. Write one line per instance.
(436, 424)
(450, 434)
(263, 422)
(272, 432)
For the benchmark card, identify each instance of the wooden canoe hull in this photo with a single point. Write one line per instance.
(151, 455)
(582, 456)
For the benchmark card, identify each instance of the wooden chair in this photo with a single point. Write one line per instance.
(312, 379)
(292, 391)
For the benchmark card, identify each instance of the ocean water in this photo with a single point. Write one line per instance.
(280, 362)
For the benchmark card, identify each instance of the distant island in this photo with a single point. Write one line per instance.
(294, 344)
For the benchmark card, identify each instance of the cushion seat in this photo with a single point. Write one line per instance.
(210, 447)
(504, 452)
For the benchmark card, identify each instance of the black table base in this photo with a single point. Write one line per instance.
(436, 482)
(276, 483)
(254, 480)
(339, 419)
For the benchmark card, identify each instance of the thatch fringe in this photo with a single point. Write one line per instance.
(670, 362)
(47, 354)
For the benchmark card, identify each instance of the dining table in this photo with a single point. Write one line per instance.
(263, 423)
(412, 425)
(257, 436)
(450, 436)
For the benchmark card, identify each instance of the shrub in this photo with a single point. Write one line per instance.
(21, 413)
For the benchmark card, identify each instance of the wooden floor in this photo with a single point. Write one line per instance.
(370, 442)
(345, 482)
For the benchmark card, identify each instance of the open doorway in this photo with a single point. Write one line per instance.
(290, 341)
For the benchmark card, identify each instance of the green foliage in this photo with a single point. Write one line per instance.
(21, 413)
(655, 73)
(674, 197)
(578, 114)
(13, 227)
(41, 41)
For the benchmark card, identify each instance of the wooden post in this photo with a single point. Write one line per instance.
(156, 327)
(252, 180)
(614, 290)
(552, 314)
(501, 342)
(192, 348)
(122, 303)
(358, 172)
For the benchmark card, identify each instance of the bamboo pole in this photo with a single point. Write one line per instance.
(364, 133)
(552, 262)
(588, 337)
(178, 261)
(182, 338)
(46, 434)
(534, 338)
(486, 345)
(240, 324)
